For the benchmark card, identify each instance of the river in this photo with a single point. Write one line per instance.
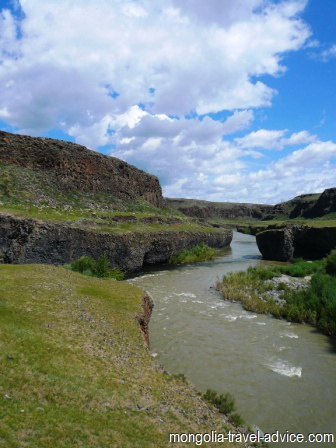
(282, 375)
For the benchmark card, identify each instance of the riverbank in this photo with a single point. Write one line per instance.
(281, 374)
(76, 371)
(305, 294)
(30, 240)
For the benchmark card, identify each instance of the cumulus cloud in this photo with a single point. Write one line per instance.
(148, 78)
(272, 139)
(173, 57)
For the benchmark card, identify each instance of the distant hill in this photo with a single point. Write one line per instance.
(307, 206)
(222, 210)
(304, 206)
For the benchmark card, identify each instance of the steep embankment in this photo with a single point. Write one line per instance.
(75, 371)
(38, 241)
(68, 167)
(306, 206)
(296, 241)
(222, 210)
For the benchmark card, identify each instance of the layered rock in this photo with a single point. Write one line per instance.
(296, 241)
(226, 210)
(34, 241)
(73, 167)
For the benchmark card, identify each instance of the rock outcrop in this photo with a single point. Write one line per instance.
(35, 241)
(73, 167)
(144, 317)
(305, 206)
(226, 210)
(296, 241)
(325, 204)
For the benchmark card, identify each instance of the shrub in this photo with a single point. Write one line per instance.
(236, 419)
(201, 252)
(331, 263)
(225, 403)
(100, 268)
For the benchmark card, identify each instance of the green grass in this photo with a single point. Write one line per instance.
(198, 253)
(75, 371)
(97, 268)
(315, 305)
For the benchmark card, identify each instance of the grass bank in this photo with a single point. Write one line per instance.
(75, 371)
(315, 304)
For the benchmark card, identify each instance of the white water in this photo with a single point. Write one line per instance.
(283, 375)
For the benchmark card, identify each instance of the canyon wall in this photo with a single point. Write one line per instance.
(36, 241)
(296, 241)
(72, 167)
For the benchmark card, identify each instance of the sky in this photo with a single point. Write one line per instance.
(223, 100)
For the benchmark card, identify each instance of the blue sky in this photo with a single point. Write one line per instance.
(229, 100)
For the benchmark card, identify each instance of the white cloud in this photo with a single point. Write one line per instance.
(127, 73)
(272, 139)
(73, 54)
(328, 54)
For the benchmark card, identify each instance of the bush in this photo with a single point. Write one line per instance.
(236, 419)
(100, 268)
(225, 403)
(315, 305)
(331, 263)
(201, 252)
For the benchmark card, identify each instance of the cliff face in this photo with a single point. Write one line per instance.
(325, 204)
(206, 209)
(73, 167)
(296, 241)
(305, 206)
(34, 241)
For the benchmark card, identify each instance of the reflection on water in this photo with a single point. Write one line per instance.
(282, 375)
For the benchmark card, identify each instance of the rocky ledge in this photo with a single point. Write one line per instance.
(296, 241)
(35, 241)
(70, 167)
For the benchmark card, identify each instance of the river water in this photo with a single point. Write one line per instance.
(282, 375)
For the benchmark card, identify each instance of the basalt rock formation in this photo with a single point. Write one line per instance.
(226, 210)
(37, 241)
(296, 241)
(72, 167)
(304, 206)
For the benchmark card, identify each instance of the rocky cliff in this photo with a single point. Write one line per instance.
(36, 241)
(325, 204)
(296, 241)
(304, 206)
(223, 210)
(71, 167)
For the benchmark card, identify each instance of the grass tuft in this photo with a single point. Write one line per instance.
(201, 252)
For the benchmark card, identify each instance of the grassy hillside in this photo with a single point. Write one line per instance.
(75, 371)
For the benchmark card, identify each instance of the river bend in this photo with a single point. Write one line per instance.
(282, 375)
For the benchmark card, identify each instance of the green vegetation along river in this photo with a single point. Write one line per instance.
(282, 375)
